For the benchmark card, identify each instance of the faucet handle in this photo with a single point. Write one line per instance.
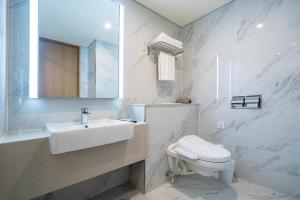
(85, 110)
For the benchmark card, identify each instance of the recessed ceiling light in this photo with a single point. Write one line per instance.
(107, 25)
(259, 25)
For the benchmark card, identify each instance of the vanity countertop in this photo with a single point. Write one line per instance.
(25, 135)
(165, 104)
(18, 136)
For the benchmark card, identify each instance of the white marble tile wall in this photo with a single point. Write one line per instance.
(84, 64)
(107, 73)
(2, 66)
(140, 85)
(92, 69)
(101, 72)
(250, 60)
(140, 73)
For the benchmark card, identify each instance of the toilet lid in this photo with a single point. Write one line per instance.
(204, 150)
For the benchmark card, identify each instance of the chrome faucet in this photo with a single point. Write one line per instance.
(84, 116)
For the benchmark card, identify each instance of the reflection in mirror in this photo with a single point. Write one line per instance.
(78, 49)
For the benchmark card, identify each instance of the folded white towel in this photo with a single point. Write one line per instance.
(162, 37)
(166, 67)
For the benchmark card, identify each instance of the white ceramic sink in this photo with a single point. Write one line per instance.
(71, 136)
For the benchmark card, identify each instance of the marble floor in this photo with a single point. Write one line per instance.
(195, 188)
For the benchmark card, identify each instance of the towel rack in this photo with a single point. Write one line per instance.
(165, 47)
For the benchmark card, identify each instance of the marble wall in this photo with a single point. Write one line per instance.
(2, 66)
(83, 75)
(92, 69)
(103, 70)
(107, 70)
(226, 55)
(140, 73)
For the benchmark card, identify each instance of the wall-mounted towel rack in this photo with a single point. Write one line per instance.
(165, 47)
(163, 50)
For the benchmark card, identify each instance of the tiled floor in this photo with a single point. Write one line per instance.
(195, 188)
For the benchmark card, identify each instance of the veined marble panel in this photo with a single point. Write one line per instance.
(107, 70)
(226, 54)
(84, 72)
(99, 70)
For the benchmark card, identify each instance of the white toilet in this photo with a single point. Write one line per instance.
(191, 154)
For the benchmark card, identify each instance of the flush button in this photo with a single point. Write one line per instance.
(221, 125)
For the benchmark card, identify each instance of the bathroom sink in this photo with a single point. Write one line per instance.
(71, 136)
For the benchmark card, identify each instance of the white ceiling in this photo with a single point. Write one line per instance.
(78, 22)
(183, 12)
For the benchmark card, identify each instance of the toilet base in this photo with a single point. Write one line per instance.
(226, 176)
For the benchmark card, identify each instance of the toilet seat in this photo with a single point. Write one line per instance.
(191, 154)
(195, 148)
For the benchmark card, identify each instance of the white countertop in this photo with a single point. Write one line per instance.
(17, 136)
(25, 135)
(165, 104)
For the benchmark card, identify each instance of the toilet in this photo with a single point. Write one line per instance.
(191, 154)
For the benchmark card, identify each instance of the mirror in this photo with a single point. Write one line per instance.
(77, 51)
